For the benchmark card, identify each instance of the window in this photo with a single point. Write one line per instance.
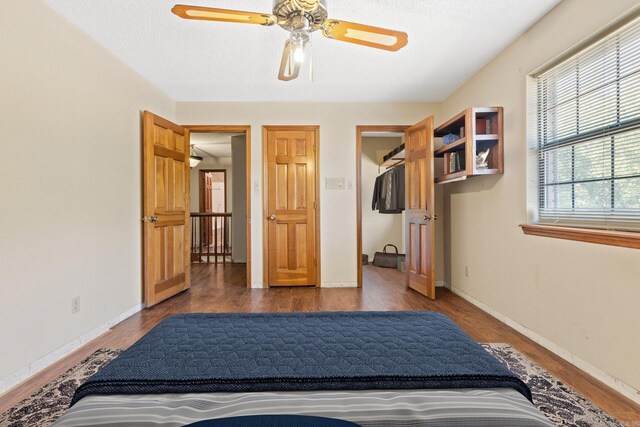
(588, 135)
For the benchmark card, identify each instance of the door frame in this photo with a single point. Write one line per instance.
(247, 131)
(265, 197)
(201, 186)
(360, 129)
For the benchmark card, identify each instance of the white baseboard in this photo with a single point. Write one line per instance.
(256, 285)
(38, 365)
(442, 284)
(339, 285)
(613, 382)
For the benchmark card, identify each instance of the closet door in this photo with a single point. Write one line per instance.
(291, 223)
(420, 210)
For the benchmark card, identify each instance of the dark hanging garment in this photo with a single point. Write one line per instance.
(388, 192)
(399, 187)
(377, 194)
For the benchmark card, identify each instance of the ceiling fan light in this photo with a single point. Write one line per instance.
(298, 53)
(194, 161)
(299, 40)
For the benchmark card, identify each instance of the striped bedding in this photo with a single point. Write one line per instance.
(459, 407)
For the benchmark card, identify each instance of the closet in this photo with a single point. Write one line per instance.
(383, 193)
(467, 145)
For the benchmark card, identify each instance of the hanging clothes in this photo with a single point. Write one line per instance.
(388, 192)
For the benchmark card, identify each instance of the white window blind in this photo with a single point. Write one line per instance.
(589, 135)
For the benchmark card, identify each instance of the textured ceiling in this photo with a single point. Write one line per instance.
(449, 41)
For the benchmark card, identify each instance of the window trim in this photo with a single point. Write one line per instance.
(625, 239)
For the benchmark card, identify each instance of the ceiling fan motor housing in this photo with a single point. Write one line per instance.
(300, 14)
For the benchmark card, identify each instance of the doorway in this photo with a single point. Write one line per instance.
(215, 229)
(378, 226)
(220, 196)
(213, 190)
(291, 205)
(417, 155)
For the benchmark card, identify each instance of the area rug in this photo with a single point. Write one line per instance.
(562, 405)
(48, 404)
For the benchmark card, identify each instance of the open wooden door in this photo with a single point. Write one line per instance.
(166, 209)
(420, 209)
(291, 188)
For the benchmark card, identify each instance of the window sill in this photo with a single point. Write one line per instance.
(603, 237)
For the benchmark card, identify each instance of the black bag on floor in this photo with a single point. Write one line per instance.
(386, 259)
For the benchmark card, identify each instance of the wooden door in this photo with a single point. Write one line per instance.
(420, 209)
(291, 191)
(206, 205)
(166, 209)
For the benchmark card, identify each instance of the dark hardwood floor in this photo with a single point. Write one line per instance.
(221, 288)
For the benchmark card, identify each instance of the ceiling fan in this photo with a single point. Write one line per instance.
(301, 18)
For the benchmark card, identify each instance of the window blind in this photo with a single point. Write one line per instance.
(589, 135)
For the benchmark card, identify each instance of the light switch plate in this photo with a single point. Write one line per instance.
(335, 183)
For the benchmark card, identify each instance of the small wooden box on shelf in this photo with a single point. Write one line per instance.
(479, 129)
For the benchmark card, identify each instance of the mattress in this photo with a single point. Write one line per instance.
(249, 352)
(459, 407)
(371, 368)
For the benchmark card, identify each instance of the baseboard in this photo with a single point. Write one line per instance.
(442, 284)
(256, 285)
(608, 379)
(38, 365)
(339, 285)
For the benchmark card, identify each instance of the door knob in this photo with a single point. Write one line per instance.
(152, 219)
(426, 217)
(272, 217)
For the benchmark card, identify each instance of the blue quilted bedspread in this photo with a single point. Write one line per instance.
(237, 352)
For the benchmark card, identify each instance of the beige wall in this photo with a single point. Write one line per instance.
(337, 159)
(378, 229)
(70, 196)
(239, 207)
(581, 297)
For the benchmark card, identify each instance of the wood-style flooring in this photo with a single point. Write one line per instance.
(221, 288)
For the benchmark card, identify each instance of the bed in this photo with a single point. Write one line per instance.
(371, 368)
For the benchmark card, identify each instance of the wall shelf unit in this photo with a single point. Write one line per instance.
(479, 129)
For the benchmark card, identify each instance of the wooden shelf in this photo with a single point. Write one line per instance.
(451, 177)
(451, 126)
(458, 145)
(486, 171)
(488, 137)
(397, 159)
(473, 123)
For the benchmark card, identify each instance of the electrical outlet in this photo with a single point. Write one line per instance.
(466, 270)
(75, 305)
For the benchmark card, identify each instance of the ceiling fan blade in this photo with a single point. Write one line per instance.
(366, 35)
(289, 69)
(223, 15)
